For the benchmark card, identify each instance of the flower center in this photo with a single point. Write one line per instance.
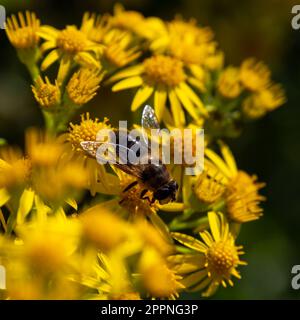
(71, 40)
(85, 131)
(221, 258)
(164, 70)
(47, 95)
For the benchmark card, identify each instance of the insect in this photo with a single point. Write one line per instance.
(153, 176)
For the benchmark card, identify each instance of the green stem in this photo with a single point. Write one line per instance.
(179, 225)
(33, 70)
(50, 122)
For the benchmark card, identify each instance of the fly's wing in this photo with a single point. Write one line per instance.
(116, 155)
(149, 121)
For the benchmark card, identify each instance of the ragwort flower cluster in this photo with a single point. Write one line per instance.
(70, 227)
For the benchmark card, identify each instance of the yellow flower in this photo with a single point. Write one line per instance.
(185, 31)
(95, 26)
(46, 94)
(126, 20)
(50, 163)
(241, 194)
(103, 229)
(23, 33)
(119, 49)
(163, 77)
(109, 278)
(158, 279)
(216, 261)
(43, 150)
(272, 97)
(209, 188)
(49, 244)
(87, 130)
(131, 200)
(151, 29)
(23, 176)
(215, 60)
(254, 75)
(40, 258)
(152, 237)
(263, 101)
(15, 169)
(68, 45)
(229, 83)
(83, 85)
(252, 108)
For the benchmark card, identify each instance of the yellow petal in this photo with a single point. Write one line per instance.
(177, 112)
(2, 221)
(187, 104)
(187, 263)
(87, 60)
(141, 96)
(41, 209)
(206, 238)
(128, 83)
(197, 83)
(218, 162)
(47, 46)
(189, 241)
(161, 226)
(4, 196)
(204, 283)
(160, 97)
(168, 119)
(228, 157)
(194, 278)
(64, 68)
(193, 97)
(172, 207)
(48, 33)
(50, 59)
(72, 202)
(211, 289)
(214, 224)
(25, 205)
(129, 72)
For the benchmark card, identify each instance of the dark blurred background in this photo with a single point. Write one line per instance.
(268, 147)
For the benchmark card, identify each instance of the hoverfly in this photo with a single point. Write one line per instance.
(154, 176)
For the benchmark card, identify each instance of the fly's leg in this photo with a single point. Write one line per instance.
(143, 196)
(131, 185)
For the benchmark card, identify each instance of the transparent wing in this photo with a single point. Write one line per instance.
(115, 154)
(149, 119)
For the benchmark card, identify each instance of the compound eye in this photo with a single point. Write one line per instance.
(162, 193)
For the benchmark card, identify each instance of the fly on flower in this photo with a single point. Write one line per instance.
(152, 173)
